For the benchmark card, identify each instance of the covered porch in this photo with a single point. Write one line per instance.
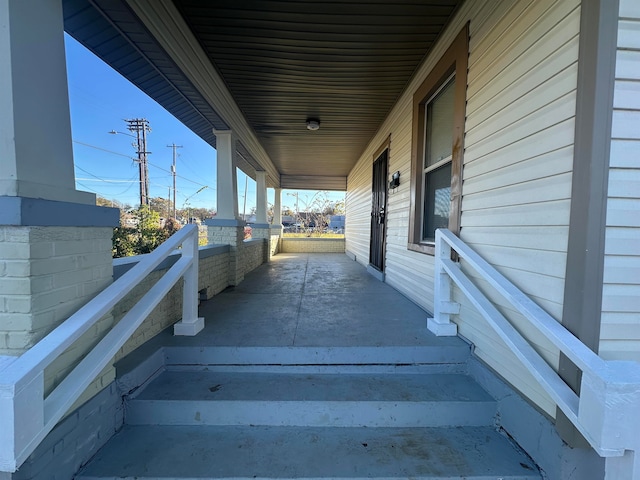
(339, 96)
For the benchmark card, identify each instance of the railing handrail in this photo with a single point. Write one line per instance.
(606, 410)
(583, 357)
(22, 380)
(63, 336)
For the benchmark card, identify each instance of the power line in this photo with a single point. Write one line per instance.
(185, 161)
(164, 187)
(104, 150)
(187, 166)
(103, 179)
(93, 190)
(133, 159)
(179, 176)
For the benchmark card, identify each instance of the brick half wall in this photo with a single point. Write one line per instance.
(311, 245)
(253, 254)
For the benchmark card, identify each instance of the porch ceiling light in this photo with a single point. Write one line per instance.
(313, 124)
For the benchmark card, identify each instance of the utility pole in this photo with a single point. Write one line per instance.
(140, 126)
(173, 174)
(244, 207)
(169, 205)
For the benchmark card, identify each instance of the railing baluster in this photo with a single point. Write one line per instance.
(443, 304)
(190, 324)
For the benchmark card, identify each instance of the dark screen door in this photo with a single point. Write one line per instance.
(378, 211)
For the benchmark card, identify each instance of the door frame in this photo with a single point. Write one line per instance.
(382, 150)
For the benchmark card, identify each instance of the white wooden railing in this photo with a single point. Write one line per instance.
(26, 415)
(607, 411)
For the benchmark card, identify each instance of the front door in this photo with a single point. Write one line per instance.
(378, 211)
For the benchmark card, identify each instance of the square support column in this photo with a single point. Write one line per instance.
(36, 154)
(261, 198)
(261, 229)
(55, 244)
(226, 228)
(276, 227)
(227, 183)
(277, 207)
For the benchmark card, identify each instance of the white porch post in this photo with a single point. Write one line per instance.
(261, 198)
(36, 155)
(227, 186)
(55, 243)
(52, 237)
(226, 227)
(276, 227)
(277, 207)
(262, 229)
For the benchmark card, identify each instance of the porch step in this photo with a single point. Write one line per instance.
(245, 452)
(303, 399)
(307, 412)
(453, 353)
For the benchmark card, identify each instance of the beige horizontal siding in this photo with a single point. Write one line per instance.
(519, 236)
(358, 208)
(407, 271)
(517, 167)
(620, 330)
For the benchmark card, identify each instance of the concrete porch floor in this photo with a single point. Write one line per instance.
(310, 368)
(313, 300)
(305, 309)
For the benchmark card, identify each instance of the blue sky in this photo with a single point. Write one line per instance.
(100, 99)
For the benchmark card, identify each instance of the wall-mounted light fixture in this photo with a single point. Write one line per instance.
(313, 124)
(395, 180)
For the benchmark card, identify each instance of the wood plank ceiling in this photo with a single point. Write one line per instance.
(343, 62)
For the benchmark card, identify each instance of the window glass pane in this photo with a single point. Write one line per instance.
(437, 201)
(439, 124)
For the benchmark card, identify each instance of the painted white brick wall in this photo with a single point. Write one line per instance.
(213, 275)
(234, 237)
(47, 273)
(274, 245)
(253, 254)
(312, 245)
